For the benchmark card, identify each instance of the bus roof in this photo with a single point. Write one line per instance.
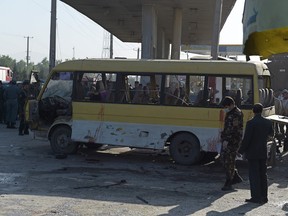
(164, 66)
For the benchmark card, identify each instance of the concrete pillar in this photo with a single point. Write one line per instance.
(160, 44)
(177, 33)
(149, 32)
(163, 45)
(216, 29)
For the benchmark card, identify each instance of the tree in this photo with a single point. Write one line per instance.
(7, 61)
(43, 68)
(20, 70)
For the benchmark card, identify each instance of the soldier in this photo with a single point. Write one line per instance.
(11, 97)
(231, 137)
(2, 120)
(23, 97)
(285, 113)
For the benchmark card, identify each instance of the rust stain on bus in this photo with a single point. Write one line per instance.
(93, 138)
(101, 117)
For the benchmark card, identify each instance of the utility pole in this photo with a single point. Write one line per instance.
(27, 55)
(107, 51)
(52, 36)
(138, 52)
(111, 46)
(73, 53)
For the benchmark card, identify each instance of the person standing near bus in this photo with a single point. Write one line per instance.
(11, 98)
(23, 97)
(2, 120)
(284, 112)
(231, 137)
(254, 146)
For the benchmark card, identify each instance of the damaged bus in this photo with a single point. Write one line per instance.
(152, 104)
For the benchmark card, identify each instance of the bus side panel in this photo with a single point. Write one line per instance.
(144, 126)
(150, 136)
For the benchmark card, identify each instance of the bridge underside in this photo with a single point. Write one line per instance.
(156, 23)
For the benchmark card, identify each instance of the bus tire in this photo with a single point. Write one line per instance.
(60, 141)
(185, 149)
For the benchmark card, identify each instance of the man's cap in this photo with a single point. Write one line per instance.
(284, 91)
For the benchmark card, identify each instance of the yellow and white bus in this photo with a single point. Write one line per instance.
(153, 104)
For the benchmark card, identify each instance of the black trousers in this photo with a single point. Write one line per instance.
(23, 126)
(258, 179)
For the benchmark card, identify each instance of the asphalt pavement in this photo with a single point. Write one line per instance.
(123, 181)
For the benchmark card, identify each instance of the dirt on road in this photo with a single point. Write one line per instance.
(122, 181)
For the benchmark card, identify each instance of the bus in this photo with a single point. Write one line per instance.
(6, 74)
(150, 104)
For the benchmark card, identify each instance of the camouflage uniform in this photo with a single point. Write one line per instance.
(232, 134)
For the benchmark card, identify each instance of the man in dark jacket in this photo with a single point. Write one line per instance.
(254, 145)
(11, 97)
(2, 120)
(231, 137)
(23, 97)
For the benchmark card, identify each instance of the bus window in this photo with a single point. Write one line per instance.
(184, 90)
(172, 89)
(56, 99)
(196, 94)
(110, 84)
(238, 88)
(142, 89)
(90, 87)
(60, 85)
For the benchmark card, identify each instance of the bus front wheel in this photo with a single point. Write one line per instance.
(185, 149)
(61, 141)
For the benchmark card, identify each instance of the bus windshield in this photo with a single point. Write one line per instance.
(60, 85)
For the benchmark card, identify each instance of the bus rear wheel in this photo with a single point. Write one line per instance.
(61, 141)
(185, 149)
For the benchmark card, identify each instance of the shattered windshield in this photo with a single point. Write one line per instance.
(60, 84)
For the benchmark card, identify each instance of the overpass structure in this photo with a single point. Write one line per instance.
(158, 23)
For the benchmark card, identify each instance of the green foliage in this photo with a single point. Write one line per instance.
(7, 61)
(21, 72)
(43, 68)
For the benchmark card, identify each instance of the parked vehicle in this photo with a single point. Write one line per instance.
(6, 74)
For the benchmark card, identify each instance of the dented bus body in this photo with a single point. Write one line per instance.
(153, 104)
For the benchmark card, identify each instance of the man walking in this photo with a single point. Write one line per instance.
(254, 146)
(231, 138)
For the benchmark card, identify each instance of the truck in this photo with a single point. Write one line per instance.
(6, 74)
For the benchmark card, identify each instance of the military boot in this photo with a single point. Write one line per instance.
(237, 178)
(227, 186)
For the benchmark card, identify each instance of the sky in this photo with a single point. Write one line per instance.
(76, 35)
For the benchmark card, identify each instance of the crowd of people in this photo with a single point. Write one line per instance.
(12, 105)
